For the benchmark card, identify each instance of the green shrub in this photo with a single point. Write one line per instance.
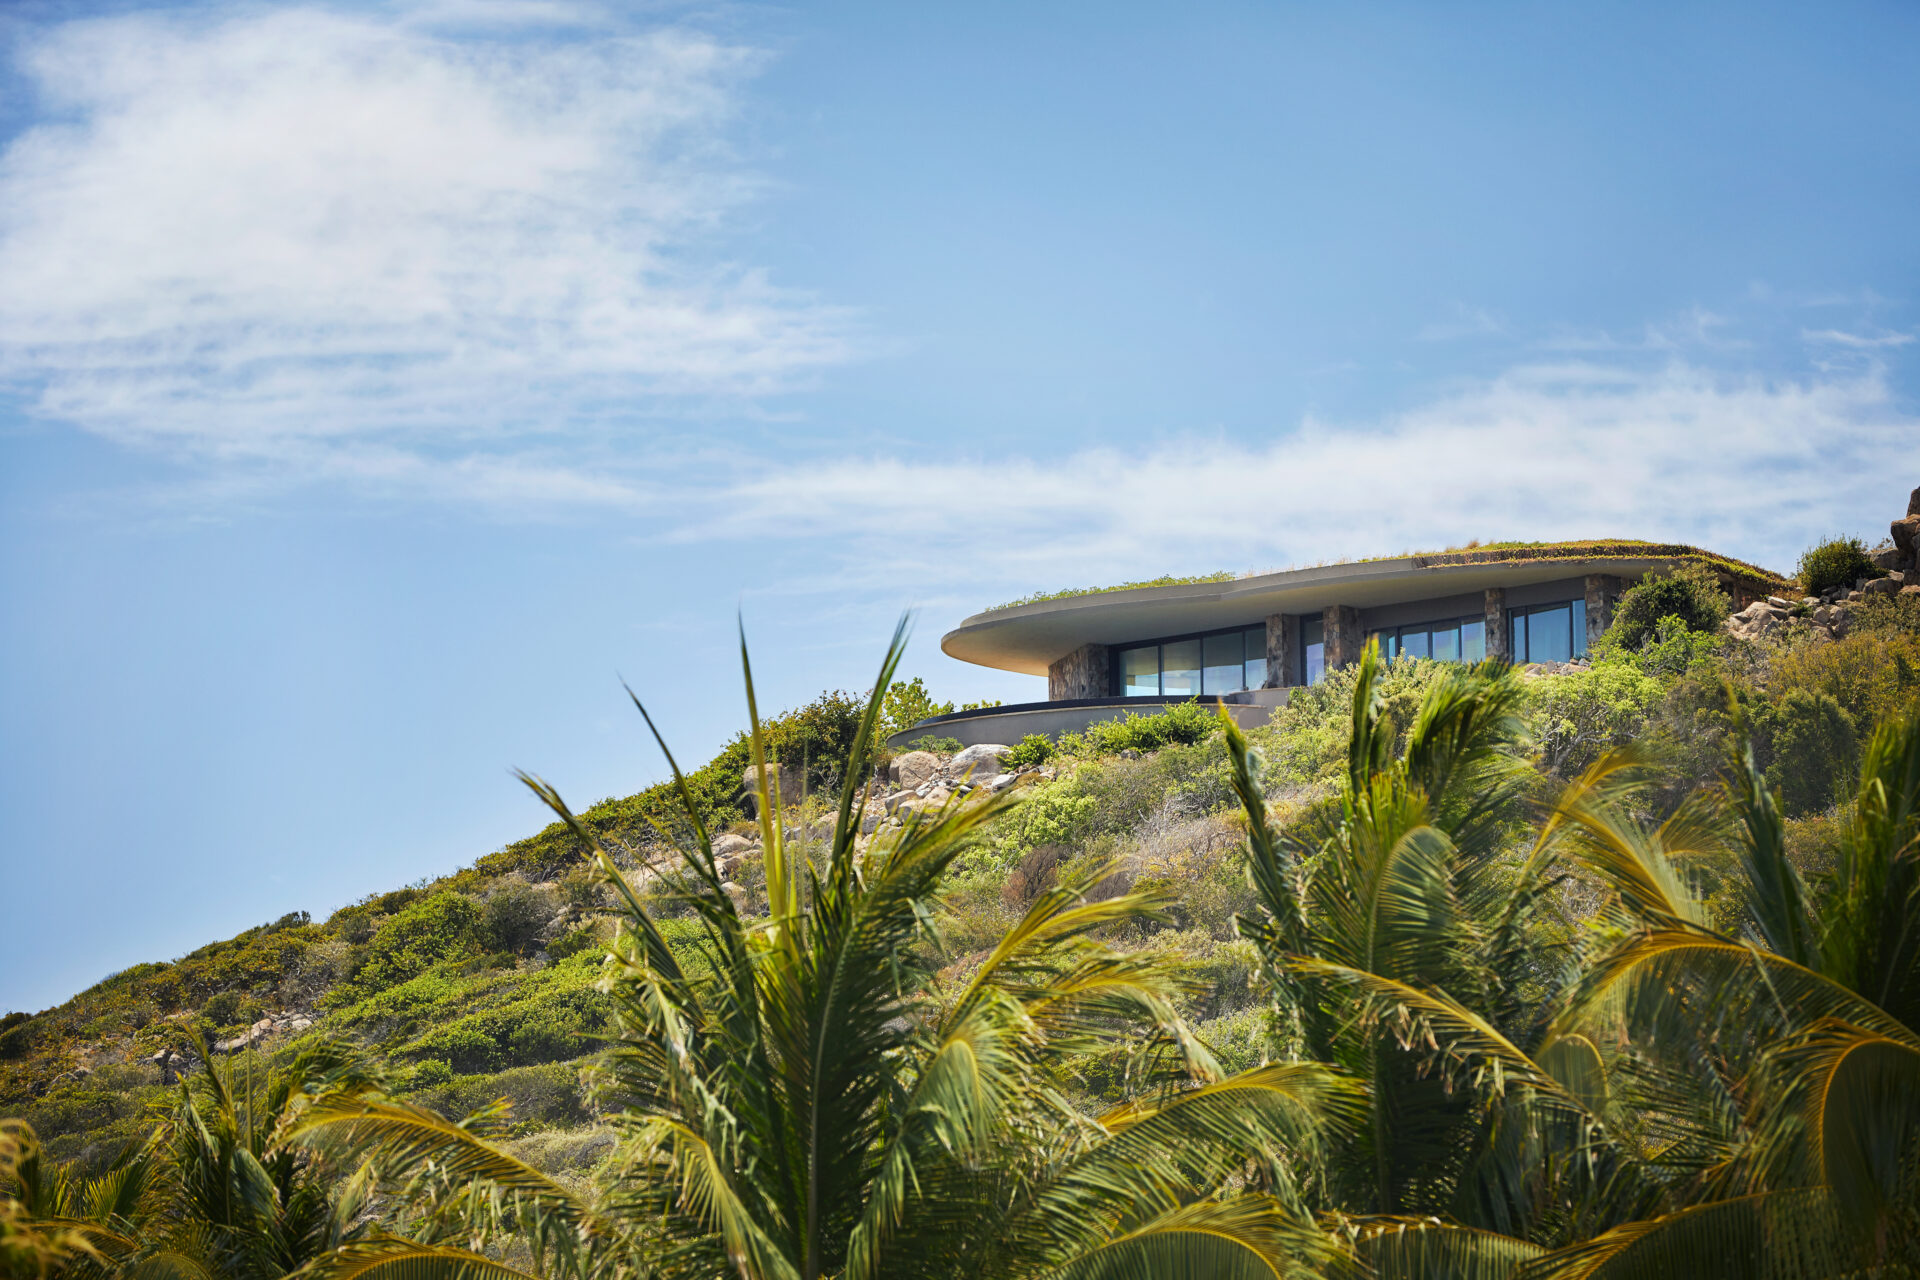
(430, 1073)
(1577, 716)
(582, 939)
(1035, 748)
(906, 704)
(1837, 562)
(515, 915)
(1690, 593)
(445, 926)
(1812, 746)
(935, 744)
(1185, 723)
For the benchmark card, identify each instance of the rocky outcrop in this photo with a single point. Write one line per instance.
(912, 769)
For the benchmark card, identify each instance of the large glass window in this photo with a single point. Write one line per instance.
(1313, 651)
(1550, 633)
(1446, 644)
(1140, 671)
(1180, 669)
(1223, 661)
(1256, 658)
(1473, 641)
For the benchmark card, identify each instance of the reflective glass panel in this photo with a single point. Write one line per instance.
(1579, 627)
(1224, 659)
(1386, 641)
(1473, 641)
(1180, 669)
(1140, 672)
(1518, 649)
(1315, 662)
(1549, 635)
(1446, 644)
(1414, 644)
(1256, 639)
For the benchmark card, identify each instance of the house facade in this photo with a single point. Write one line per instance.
(1248, 641)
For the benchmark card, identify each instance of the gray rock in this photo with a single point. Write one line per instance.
(1778, 602)
(785, 777)
(1000, 782)
(1882, 587)
(870, 821)
(893, 801)
(300, 1024)
(737, 893)
(912, 769)
(982, 759)
(725, 846)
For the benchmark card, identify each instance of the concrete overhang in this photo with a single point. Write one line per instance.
(1027, 638)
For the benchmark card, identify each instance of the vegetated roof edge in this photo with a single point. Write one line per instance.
(1497, 553)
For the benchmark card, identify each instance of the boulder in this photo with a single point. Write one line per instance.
(982, 759)
(1000, 782)
(1882, 587)
(1906, 534)
(912, 769)
(1913, 503)
(736, 893)
(728, 845)
(785, 777)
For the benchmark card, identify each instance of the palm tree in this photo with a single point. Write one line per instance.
(1679, 1101)
(216, 1190)
(807, 1095)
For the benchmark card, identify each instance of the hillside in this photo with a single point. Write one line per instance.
(482, 983)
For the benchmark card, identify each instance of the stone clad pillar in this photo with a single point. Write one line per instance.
(1603, 590)
(1498, 641)
(1283, 651)
(1084, 673)
(1340, 627)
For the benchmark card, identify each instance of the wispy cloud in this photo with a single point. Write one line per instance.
(1751, 466)
(1857, 341)
(305, 239)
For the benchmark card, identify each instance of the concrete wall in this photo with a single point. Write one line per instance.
(1005, 726)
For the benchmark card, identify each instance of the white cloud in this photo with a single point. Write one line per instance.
(1858, 341)
(1748, 466)
(230, 234)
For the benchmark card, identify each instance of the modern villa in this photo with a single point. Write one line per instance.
(1248, 641)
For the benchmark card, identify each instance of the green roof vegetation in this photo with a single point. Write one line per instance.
(1471, 553)
(1166, 580)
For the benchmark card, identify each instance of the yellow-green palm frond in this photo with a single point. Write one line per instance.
(1391, 1248)
(390, 1258)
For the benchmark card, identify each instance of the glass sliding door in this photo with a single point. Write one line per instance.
(1140, 671)
(1180, 669)
(1446, 644)
(1550, 633)
(1223, 663)
(1313, 651)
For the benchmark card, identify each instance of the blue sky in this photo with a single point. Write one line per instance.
(379, 384)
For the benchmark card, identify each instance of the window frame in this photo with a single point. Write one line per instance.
(1116, 681)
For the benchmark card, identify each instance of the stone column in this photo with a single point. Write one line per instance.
(1340, 627)
(1084, 673)
(1602, 590)
(1283, 651)
(1497, 638)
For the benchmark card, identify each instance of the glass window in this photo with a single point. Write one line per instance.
(1550, 635)
(1446, 644)
(1414, 644)
(1180, 669)
(1224, 664)
(1313, 651)
(1579, 627)
(1140, 671)
(1386, 640)
(1256, 673)
(1518, 647)
(1473, 641)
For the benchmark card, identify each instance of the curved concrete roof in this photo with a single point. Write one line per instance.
(1027, 638)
